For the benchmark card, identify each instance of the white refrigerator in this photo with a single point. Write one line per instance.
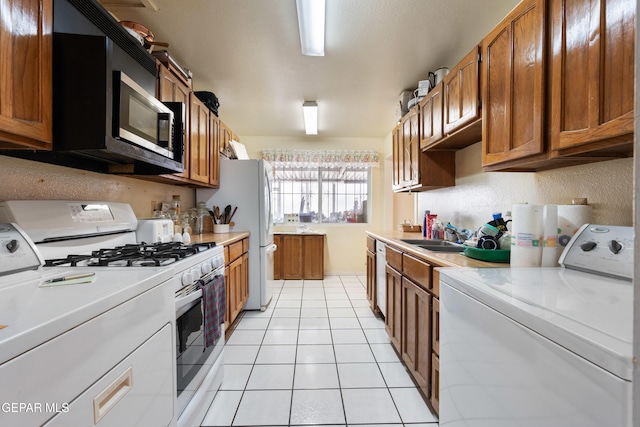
(247, 184)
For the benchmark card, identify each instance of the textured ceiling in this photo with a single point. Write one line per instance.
(248, 53)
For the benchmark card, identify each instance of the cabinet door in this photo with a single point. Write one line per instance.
(199, 136)
(245, 278)
(371, 280)
(224, 137)
(392, 321)
(592, 78)
(416, 333)
(235, 289)
(431, 117)
(409, 157)
(396, 157)
(172, 89)
(214, 151)
(313, 257)
(435, 326)
(461, 94)
(435, 383)
(513, 86)
(292, 262)
(26, 74)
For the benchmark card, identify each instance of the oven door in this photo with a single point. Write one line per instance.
(191, 356)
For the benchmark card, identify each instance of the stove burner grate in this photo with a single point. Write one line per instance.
(133, 255)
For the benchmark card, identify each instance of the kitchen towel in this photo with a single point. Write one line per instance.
(526, 235)
(570, 219)
(214, 307)
(550, 236)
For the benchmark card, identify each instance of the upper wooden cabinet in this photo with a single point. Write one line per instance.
(225, 137)
(200, 140)
(171, 88)
(461, 89)
(592, 75)
(513, 86)
(414, 170)
(26, 74)
(431, 117)
(214, 150)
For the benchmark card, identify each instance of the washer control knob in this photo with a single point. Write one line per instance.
(587, 246)
(615, 246)
(13, 245)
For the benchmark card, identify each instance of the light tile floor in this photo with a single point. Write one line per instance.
(317, 356)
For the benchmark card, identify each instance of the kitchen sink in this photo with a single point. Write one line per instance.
(435, 245)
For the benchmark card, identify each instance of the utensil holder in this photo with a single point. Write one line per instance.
(220, 228)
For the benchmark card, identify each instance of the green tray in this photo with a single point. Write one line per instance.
(490, 255)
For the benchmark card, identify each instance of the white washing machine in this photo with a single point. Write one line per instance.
(544, 347)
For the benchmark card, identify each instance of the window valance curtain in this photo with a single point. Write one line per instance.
(356, 159)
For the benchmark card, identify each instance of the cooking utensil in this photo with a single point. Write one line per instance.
(232, 214)
(227, 214)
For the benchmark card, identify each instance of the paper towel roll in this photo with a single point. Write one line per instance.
(550, 236)
(527, 232)
(570, 219)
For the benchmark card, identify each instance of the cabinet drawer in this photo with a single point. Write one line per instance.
(139, 388)
(245, 245)
(417, 270)
(435, 382)
(394, 258)
(435, 326)
(235, 250)
(371, 244)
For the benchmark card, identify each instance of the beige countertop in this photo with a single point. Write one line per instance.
(221, 239)
(444, 259)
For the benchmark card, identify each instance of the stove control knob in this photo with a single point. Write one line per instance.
(195, 274)
(615, 246)
(587, 246)
(205, 268)
(187, 278)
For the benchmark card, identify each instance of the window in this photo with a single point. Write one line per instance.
(321, 194)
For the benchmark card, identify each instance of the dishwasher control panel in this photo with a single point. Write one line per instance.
(601, 249)
(17, 251)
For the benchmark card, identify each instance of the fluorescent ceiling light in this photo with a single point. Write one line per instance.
(311, 24)
(310, 111)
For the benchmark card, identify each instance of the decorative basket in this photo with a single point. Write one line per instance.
(410, 228)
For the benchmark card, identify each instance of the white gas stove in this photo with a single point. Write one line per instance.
(94, 266)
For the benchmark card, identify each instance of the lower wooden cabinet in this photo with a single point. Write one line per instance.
(299, 256)
(393, 320)
(435, 383)
(413, 317)
(416, 333)
(236, 275)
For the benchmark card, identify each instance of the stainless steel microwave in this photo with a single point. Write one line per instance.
(105, 111)
(140, 118)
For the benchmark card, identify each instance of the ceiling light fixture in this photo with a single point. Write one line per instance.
(311, 24)
(310, 111)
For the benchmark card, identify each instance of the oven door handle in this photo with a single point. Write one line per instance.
(184, 304)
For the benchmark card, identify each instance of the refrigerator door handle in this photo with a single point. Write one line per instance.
(272, 248)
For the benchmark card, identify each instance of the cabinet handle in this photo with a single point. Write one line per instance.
(111, 395)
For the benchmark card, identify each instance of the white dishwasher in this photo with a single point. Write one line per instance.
(381, 276)
(548, 347)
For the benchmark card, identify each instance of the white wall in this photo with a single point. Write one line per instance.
(29, 180)
(608, 187)
(345, 245)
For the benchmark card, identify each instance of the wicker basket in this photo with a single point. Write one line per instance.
(410, 228)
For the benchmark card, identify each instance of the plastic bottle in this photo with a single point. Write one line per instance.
(424, 224)
(431, 219)
(507, 220)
